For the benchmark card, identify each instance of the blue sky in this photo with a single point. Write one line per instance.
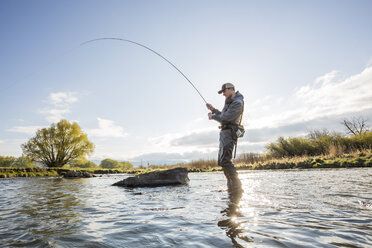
(301, 65)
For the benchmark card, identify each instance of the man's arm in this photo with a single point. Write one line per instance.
(231, 114)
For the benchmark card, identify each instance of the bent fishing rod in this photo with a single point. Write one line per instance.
(152, 50)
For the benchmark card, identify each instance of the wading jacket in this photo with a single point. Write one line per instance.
(231, 112)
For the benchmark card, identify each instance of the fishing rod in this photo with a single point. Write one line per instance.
(148, 48)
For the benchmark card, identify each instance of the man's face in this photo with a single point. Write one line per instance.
(228, 92)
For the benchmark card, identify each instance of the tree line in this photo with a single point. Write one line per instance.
(25, 162)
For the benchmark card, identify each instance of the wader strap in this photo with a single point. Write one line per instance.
(236, 147)
(240, 121)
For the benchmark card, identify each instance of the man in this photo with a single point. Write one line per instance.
(230, 119)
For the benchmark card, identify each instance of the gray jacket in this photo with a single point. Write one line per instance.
(231, 111)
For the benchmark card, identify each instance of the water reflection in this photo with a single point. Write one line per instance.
(46, 207)
(231, 224)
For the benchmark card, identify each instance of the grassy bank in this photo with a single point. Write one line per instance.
(8, 172)
(361, 159)
(353, 160)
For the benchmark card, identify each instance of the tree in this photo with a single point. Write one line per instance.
(10, 161)
(82, 163)
(318, 133)
(58, 145)
(109, 163)
(126, 165)
(7, 161)
(355, 126)
(24, 162)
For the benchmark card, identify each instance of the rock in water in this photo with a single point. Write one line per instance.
(78, 174)
(365, 204)
(174, 176)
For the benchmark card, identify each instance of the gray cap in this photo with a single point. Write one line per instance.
(226, 86)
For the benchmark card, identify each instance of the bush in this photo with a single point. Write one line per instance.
(7, 161)
(111, 164)
(332, 144)
(83, 164)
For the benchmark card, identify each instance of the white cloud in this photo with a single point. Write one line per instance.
(173, 157)
(12, 147)
(107, 128)
(60, 102)
(55, 115)
(2, 141)
(62, 98)
(329, 95)
(25, 129)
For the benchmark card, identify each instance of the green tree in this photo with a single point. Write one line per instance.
(58, 145)
(7, 161)
(126, 165)
(82, 163)
(24, 162)
(109, 163)
(10, 161)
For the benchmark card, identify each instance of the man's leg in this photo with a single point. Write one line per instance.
(224, 159)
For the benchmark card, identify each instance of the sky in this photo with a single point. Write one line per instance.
(301, 65)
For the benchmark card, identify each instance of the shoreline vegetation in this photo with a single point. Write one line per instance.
(360, 159)
(319, 149)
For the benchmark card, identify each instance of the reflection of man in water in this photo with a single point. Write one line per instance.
(229, 118)
(231, 224)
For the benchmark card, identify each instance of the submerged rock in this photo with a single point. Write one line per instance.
(365, 204)
(78, 174)
(174, 176)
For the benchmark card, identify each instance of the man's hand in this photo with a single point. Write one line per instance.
(210, 107)
(210, 116)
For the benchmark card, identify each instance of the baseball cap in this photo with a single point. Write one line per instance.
(226, 86)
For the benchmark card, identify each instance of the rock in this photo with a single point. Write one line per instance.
(365, 204)
(174, 176)
(77, 174)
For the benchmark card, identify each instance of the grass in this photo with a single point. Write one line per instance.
(355, 159)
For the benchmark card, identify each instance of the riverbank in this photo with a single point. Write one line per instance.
(304, 162)
(307, 162)
(8, 172)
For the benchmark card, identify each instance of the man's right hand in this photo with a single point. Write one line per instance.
(210, 107)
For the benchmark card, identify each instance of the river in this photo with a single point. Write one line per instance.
(282, 208)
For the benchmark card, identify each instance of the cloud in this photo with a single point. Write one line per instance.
(55, 115)
(25, 129)
(329, 95)
(11, 147)
(205, 138)
(60, 102)
(169, 158)
(62, 98)
(107, 128)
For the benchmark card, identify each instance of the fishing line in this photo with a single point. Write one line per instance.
(148, 48)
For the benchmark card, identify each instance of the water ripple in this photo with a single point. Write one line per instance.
(292, 208)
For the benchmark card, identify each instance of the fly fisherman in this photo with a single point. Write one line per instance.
(229, 118)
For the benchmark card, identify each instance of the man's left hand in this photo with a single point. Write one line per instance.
(210, 116)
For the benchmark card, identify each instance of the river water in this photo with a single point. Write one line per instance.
(283, 208)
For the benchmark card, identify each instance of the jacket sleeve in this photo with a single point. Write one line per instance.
(231, 114)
